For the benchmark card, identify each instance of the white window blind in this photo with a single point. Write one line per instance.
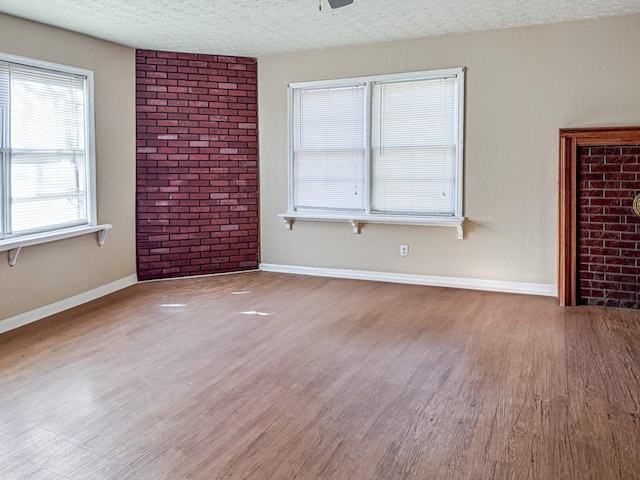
(387, 148)
(4, 145)
(329, 149)
(45, 160)
(414, 147)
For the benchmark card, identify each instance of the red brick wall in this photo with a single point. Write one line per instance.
(609, 231)
(197, 164)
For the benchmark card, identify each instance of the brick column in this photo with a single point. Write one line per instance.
(197, 164)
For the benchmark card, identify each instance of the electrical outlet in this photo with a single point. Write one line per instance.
(404, 250)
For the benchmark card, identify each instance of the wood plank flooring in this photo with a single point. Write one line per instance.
(272, 376)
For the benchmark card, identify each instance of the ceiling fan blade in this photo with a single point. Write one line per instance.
(339, 3)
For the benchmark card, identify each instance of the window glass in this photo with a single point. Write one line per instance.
(45, 161)
(385, 146)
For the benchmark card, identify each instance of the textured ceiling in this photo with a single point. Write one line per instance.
(264, 27)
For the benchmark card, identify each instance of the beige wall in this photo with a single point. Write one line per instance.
(522, 85)
(51, 272)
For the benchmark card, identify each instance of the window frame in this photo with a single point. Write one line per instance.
(8, 239)
(369, 216)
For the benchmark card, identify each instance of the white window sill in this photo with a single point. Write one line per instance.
(14, 245)
(357, 221)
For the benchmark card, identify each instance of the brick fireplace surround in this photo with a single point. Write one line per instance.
(197, 164)
(608, 228)
(599, 254)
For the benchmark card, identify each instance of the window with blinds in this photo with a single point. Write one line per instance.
(329, 148)
(45, 161)
(386, 146)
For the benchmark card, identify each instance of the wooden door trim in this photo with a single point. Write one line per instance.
(570, 140)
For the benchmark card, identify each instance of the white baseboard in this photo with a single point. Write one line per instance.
(57, 307)
(543, 289)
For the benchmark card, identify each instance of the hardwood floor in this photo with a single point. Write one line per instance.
(327, 379)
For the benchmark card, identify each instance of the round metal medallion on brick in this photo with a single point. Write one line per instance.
(636, 205)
